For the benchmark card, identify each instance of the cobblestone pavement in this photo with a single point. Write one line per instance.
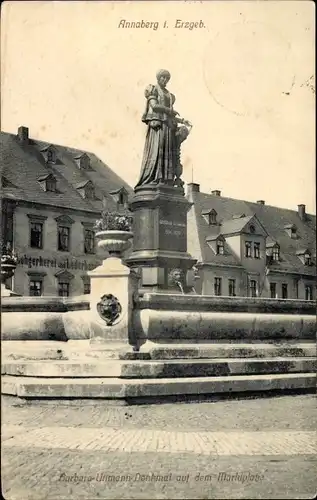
(161, 441)
(61, 474)
(263, 448)
(286, 412)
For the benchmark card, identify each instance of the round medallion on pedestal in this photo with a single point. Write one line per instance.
(109, 308)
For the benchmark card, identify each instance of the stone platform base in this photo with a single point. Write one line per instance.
(71, 370)
(154, 389)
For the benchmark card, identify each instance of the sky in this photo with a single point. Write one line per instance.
(244, 78)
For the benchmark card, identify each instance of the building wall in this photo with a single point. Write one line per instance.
(251, 264)
(293, 291)
(209, 274)
(279, 280)
(46, 262)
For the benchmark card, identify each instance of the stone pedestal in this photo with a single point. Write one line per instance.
(8, 267)
(160, 236)
(5, 292)
(113, 288)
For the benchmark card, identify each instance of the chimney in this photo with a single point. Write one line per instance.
(302, 211)
(193, 188)
(23, 135)
(216, 192)
(261, 202)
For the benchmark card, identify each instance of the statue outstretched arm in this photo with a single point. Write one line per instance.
(183, 122)
(158, 108)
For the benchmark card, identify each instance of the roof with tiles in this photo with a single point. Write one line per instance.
(23, 164)
(273, 220)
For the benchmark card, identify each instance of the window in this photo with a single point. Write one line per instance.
(232, 288)
(276, 253)
(63, 232)
(36, 235)
(63, 289)
(121, 199)
(86, 190)
(212, 217)
(217, 286)
(291, 230)
(89, 241)
(90, 192)
(252, 229)
(83, 161)
(307, 259)
(47, 182)
(86, 283)
(51, 185)
(273, 293)
(51, 156)
(35, 288)
(253, 288)
(64, 278)
(248, 250)
(220, 247)
(256, 250)
(284, 291)
(63, 238)
(308, 292)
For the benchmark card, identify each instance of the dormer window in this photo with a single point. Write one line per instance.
(305, 256)
(210, 217)
(90, 192)
(49, 154)
(50, 157)
(272, 251)
(6, 184)
(120, 196)
(220, 247)
(121, 199)
(48, 182)
(86, 190)
(291, 230)
(213, 217)
(307, 259)
(83, 161)
(217, 243)
(276, 253)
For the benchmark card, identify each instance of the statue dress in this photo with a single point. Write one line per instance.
(159, 161)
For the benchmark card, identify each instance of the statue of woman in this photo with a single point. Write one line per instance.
(160, 162)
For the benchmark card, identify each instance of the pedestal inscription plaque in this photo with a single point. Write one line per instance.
(172, 231)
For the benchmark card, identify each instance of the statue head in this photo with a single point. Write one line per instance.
(163, 76)
(175, 276)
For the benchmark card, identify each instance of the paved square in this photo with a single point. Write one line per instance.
(261, 448)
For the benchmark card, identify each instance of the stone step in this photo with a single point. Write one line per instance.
(137, 369)
(230, 350)
(137, 391)
(81, 350)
